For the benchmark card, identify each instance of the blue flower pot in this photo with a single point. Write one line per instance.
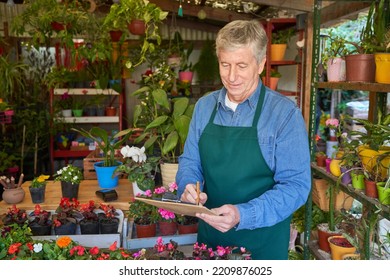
(104, 175)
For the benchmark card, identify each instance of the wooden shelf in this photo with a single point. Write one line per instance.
(375, 87)
(84, 91)
(91, 119)
(357, 194)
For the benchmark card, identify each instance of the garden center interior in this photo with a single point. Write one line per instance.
(76, 75)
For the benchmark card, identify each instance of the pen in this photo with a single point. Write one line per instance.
(197, 192)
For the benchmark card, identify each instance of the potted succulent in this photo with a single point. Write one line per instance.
(108, 146)
(39, 221)
(38, 188)
(70, 177)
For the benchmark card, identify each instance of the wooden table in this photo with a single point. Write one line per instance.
(87, 191)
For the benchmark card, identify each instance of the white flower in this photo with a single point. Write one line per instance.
(135, 153)
(38, 247)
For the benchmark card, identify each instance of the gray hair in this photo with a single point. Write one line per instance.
(243, 33)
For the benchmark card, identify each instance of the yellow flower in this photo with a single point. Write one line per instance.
(63, 241)
(42, 178)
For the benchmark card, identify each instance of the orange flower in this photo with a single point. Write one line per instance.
(63, 241)
(14, 248)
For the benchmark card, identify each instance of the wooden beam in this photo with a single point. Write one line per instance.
(299, 5)
(339, 10)
(214, 14)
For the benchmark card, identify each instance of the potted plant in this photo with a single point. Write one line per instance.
(274, 78)
(108, 222)
(280, 39)
(13, 192)
(66, 216)
(139, 168)
(167, 120)
(39, 221)
(108, 146)
(70, 177)
(12, 75)
(38, 188)
(14, 215)
(89, 224)
(333, 57)
(114, 23)
(186, 68)
(145, 216)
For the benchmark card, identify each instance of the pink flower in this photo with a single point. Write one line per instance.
(172, 187)
(167, 215)
(333, 123)
(160, 190)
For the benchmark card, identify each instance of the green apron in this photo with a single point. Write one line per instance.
(235, 172)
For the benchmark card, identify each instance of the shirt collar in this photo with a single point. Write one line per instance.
(252, 100)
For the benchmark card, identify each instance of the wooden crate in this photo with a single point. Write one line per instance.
(88, 162)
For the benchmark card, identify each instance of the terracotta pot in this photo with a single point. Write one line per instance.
(321, 160)
(110, 111)
(146, 230)
(187, 229)
(167, 228)
(323, 235)
(370, 189)
(360, 68)
(278, 51)
(116, 35)
(339, 246)
(13, 196)
(137, 27)
(186, 76)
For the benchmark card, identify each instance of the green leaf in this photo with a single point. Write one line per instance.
(161, 98)
(157, 122)
(170, 143)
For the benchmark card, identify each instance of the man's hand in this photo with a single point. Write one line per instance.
(228, 217)
(190, 195)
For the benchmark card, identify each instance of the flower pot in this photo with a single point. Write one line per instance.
(136, 189)
(323, 236)
(66, 113)
(339, 246)
(273, 82)
(187, 229)
(89, 227)
(37, 194)
(167, 228)
(370, 189)
(360, 68)
(383, 193)
(327, 163)
(137, 27)
(143, 231)
(321, 160)
(186, 76)
(278, 51)
(110, 111)
(336, 69)
(346, 175)
(69, 190)
(66, 229)
(331, 148)
(168, 173)
(77, 112)
(40, 230)
(115, 35)
(104, 175)
(13, 196)
(372, 159)
(357, 180)
(321, 199)
(382, 62)
(109, 227)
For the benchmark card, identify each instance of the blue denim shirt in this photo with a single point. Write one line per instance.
(283, 141)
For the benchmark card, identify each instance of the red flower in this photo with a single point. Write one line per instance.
(30, 246)
(94, 251)
(14, 248)
(80, 250)
(113, 246)
(124, 254)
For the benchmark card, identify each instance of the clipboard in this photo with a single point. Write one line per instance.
(177, 207)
